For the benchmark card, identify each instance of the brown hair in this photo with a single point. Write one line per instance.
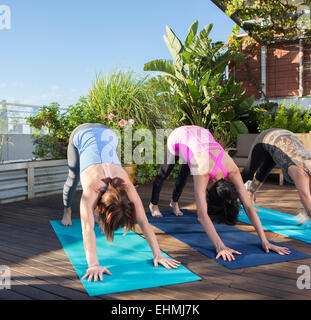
(114, 209)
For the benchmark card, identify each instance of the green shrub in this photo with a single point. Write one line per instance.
(196, 75)
(126, 95)
(291, 118)
(53, 145)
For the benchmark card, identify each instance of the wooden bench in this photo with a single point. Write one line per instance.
(244, 143)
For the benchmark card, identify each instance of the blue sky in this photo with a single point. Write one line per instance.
(55, 48)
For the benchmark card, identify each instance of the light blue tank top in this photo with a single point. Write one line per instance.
(96, 145)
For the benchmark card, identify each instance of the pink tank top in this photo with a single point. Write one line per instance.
(187, 141)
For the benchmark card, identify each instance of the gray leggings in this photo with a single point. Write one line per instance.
(74, 165)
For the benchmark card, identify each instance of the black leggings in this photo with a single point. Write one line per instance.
(164, 171)
(259, 162)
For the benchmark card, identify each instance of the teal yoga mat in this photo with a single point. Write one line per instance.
(129, 259)
(281, 223)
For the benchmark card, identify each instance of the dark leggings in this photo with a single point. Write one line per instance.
(259, 162)
(164, 171)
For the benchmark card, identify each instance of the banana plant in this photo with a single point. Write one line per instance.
(196, 75)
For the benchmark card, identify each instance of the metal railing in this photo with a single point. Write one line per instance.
(13, 117)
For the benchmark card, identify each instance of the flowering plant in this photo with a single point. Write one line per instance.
(115, 121)
(145, 171)
(123, 128)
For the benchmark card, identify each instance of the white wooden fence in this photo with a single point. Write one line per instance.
(28, 180)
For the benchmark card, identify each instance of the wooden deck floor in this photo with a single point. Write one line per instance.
(41, 269)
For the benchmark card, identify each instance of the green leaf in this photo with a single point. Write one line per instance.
(205, 77)
(238, 127)
(193, 90)
(205, 93)
(175, 47)
(186, 57)
(160, 65)
(227, 114)
(207, 109)
(192, 33)
(175, 85)
(244, 106)
(206, 31)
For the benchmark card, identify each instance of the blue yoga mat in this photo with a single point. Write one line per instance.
(129, 259)
(281, 223)
(187, 229)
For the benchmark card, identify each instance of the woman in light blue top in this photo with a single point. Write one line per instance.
(107, 193)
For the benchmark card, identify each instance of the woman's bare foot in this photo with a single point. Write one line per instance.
(66, 221)
(176, 209)
(155, 211)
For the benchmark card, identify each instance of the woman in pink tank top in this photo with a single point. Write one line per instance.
(214, 171)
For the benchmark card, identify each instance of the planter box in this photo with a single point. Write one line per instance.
(131, 170)
(28, 180)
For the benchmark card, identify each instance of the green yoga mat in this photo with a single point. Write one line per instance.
(129, 259)
(281, 223)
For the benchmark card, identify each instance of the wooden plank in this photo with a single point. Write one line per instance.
(238, 294)
(60, 291)
(8, 294)
(76, 289)
(33, 292)
(38, 254)
(31, 183)
(39, 264)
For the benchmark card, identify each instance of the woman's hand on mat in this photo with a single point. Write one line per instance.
(166, 262)
(226, 253)
(267, 246)
(96, 272)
